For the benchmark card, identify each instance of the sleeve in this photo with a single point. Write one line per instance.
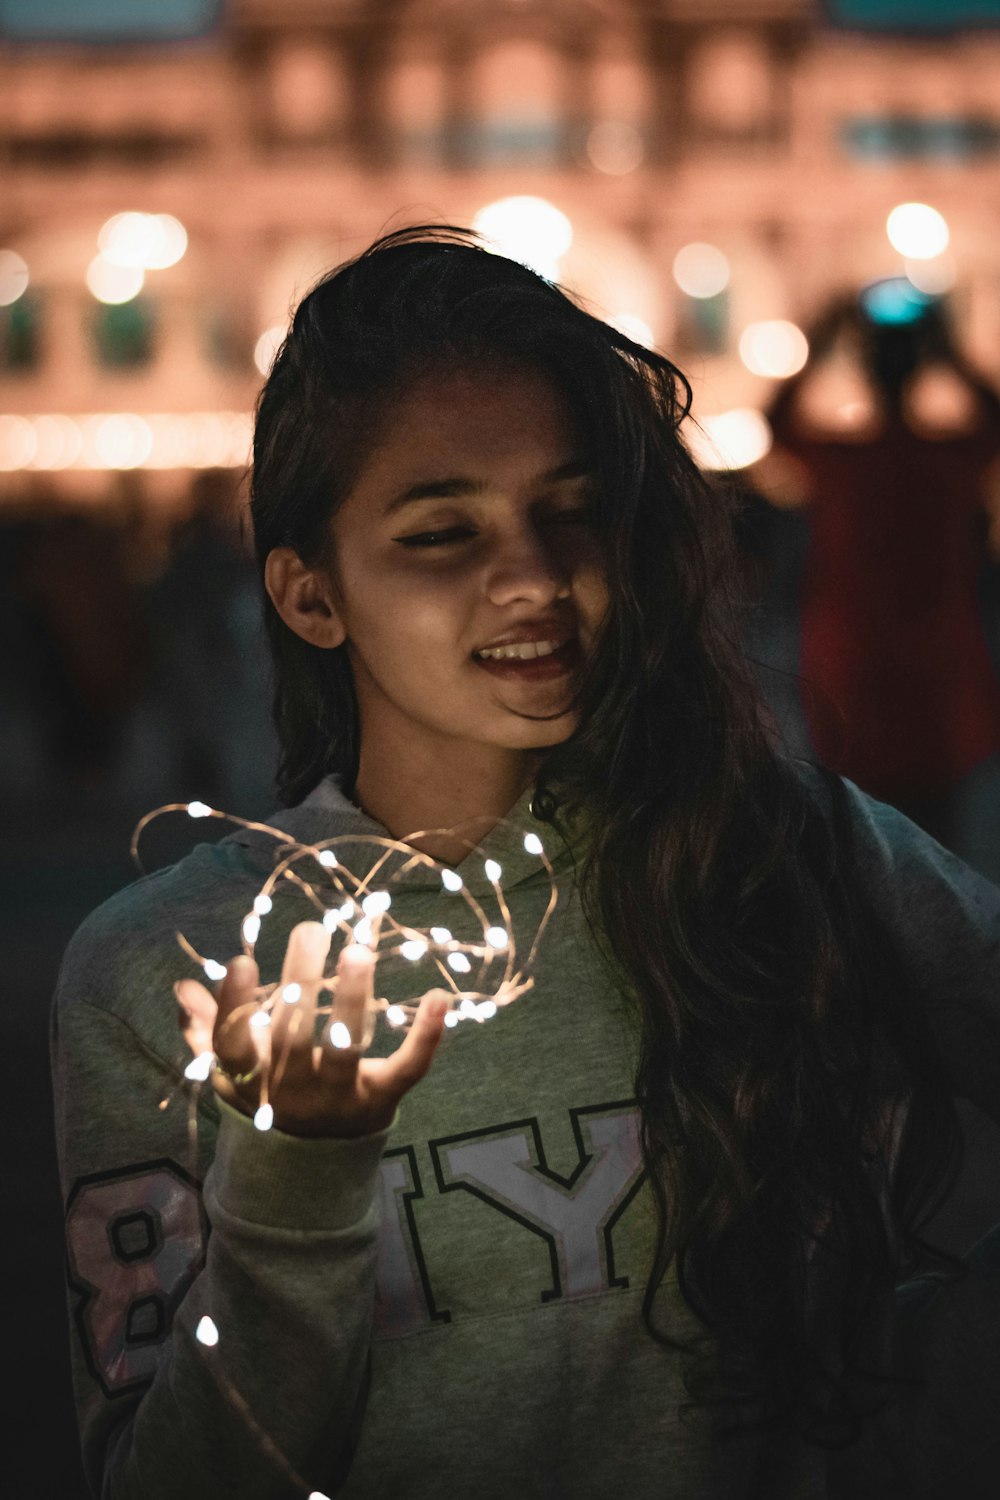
(945, 921)
(220, 1336)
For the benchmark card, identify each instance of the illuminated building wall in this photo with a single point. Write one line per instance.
(299, 129)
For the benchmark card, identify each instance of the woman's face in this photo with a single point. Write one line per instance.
(469, 526)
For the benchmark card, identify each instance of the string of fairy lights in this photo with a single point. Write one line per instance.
(358, 908)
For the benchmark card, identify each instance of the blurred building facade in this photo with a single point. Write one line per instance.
(297, 130)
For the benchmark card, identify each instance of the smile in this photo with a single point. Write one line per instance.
(519, 651)
(531, 661)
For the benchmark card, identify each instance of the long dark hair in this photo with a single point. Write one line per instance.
(796, 1129)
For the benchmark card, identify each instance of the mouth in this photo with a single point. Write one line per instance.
(531, 661)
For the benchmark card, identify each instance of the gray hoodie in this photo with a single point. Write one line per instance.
(450, 1308)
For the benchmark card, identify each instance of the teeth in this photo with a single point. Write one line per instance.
(522, 651)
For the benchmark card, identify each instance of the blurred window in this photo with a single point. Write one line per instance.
(107, 20)
(729, 82)
(517, 94)
(416, 105)
(308, 90)
(124, 333)
(20, 333)
(906, 137)
(703, 323)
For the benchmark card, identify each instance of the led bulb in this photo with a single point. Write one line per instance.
(331, 918)
(376, 903)
(251, 928)
(291, 993)
(328, 859)
(487, 1010)
(468, 1008)
(395, 1015)
(206, 1332)
(264, 1118)
(214, 970)
(260, 1020)
(493, 870)
(533, 843)
(199, 810)
(459, 963)
(340, 1036)
(363, 932)
(413, 949)
(496, 937)
(262, 905)
(451, 1019)
(200, 1067)
(451, 880)
(441, 934)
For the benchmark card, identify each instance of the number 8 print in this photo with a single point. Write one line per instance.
(136, 1240)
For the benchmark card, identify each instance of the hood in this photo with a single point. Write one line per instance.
(326, 815)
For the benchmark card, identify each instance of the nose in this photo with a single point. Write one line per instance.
(525, 565)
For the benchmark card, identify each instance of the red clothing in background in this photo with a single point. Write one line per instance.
(900, 692)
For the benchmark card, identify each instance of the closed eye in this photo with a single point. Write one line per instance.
(459, 533)
(435, 538)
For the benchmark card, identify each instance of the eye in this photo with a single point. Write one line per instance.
(435, 538)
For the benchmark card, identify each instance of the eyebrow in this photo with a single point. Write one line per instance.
(458, 488)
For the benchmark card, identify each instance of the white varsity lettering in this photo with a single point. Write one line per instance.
(502, 1170)
(134, 1241)
(399, 1300)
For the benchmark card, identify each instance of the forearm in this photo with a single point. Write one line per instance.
(286, 1279)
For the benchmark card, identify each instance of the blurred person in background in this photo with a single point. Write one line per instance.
(83, 660)
(892, 441)
(209, 685)
(656, 1229)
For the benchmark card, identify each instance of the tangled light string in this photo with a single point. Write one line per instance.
(364, 916)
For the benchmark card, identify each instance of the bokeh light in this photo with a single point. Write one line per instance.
(58, 442)
(267, 347)
(151, 242)
(633, 327)
(13, 277)
(917, 231)
(114, 284)
(894, 302)
(935, 276)
(774, 348)
(729, 439)
(531, 230)
(18, 443)
(701, 270)
(116, 440)
(615, 147)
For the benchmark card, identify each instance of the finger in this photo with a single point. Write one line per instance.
(198, 1011)
(236, 1003)
(306, 953)
(301, 973)
(411, 1060)
(352, 1001)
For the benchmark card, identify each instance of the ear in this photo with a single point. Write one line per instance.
(303, 598)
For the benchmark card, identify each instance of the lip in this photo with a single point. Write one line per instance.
(537, 668)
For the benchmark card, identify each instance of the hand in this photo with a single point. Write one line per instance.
(314, 1090)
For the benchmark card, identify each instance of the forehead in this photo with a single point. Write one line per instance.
(470, 416)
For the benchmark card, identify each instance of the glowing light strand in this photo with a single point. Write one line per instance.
(380, 932)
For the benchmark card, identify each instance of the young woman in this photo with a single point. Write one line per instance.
(640, 1233)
